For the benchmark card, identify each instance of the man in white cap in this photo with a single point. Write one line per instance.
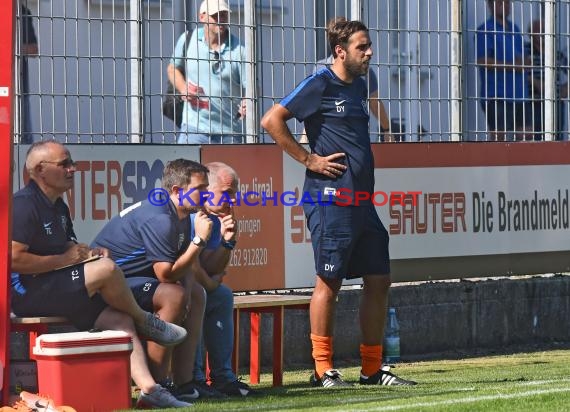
(210, 76)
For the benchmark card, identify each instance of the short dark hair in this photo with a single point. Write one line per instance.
(179, 172)
(339, 31)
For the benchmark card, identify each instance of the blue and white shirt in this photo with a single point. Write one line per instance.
(144, 234)
(336, 118)
(222, 77)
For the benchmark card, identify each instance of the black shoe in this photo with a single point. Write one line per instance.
(186, 395)
(332, 377)
(385, 377)
(204, 391)
(235, 388)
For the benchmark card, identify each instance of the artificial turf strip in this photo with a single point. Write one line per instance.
(537, 381)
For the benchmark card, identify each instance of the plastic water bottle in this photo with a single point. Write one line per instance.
(392, 338)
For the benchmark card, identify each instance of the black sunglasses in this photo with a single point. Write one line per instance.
(65, 163)
(217, 63)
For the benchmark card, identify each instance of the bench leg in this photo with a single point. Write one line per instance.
(254, 353)
(207, 369)
(278, 346)
(235, 356)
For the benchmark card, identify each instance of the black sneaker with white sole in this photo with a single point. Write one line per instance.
(386, 378)
(194, 390)
(234, 388)
(330, 378)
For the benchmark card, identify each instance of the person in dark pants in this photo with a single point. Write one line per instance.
(218, 328)
(150, 241)
(348, 240)
(54, 275)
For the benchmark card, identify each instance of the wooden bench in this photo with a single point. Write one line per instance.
(34, 326)
(255, 305)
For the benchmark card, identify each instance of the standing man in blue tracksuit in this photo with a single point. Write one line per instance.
(348, 241)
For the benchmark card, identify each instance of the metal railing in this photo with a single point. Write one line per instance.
(99, 72)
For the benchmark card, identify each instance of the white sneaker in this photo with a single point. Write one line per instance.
(159, 398)
(161, 332)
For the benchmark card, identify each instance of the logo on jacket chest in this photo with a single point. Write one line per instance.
(47, 228)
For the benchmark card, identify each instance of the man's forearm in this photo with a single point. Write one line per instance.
(177, 79)
(204, 279)
(216, 261)
(184, 263)
(28, 263)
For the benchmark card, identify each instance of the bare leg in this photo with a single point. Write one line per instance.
(170, 302)
(115, 320)
(105, 277)
(373, 308)
(185, 353)
(323, 304)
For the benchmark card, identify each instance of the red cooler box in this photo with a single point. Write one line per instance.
(89, 371)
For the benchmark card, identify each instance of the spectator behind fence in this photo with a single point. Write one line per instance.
(218, 329)
(504, 83)
(28, 47)
(52, 279)
(150, 242)
(212, 85)
(535, 49)
(351, 241)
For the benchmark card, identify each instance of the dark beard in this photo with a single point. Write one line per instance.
(354, 69)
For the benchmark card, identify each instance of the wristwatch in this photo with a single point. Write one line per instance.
(198, 241)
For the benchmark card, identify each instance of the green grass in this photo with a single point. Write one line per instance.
(537, 381)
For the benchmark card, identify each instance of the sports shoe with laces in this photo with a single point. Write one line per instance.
(189, 395)
(159, 398)
(235, 388)
(39, 403)
(197, 390)
(330, 378)
(385, 377)
(161, 332)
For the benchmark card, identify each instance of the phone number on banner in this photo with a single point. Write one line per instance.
(249, 257)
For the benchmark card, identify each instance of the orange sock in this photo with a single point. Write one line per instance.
(322, 353)
(371, 356)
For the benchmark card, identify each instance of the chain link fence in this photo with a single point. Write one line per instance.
(95, 71)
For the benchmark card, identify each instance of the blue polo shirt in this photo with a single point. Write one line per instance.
(223, 81)
(144, 234)
(336, 117)
(505, 44)
(44, 226)
(215, 238)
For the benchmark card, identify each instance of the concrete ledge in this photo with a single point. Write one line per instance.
(465, 315)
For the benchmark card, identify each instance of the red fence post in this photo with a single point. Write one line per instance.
(7, 14)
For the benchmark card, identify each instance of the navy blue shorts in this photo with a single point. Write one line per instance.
(143, 289)
(58, 293)
(348, 241)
